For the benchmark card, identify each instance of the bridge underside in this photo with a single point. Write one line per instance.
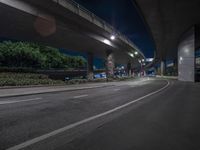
(60, 32)
(173, 25)
(167, 21)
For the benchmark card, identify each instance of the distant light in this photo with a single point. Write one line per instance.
(180, 60)
(149, 59)
(131, 54)
(187, 50)
(139, 61)
(107, 42)
(170, 65)
(136, 53)
(112, 37)
(142, 60)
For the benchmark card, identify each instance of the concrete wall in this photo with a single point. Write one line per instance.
(186, 56)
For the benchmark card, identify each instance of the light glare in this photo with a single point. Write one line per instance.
(112, 37)
(107, 42)
(131, 55)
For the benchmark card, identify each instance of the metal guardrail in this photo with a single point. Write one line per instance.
(80, 10)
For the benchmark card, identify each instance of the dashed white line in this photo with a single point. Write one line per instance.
(116, 90)
(68, 127)
(18, 101)
(80, 96)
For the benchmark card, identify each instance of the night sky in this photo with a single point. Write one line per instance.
(124, 17)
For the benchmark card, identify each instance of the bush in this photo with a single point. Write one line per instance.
(23, 76)
(21, 79)
(17, 69)
(77, 81)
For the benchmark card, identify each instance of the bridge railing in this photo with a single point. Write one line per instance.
(83, 12)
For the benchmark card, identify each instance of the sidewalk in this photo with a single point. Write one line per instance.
(168, 77)
(11, 92)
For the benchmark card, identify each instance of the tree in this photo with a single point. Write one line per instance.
(19, 54)
(31, 55)
(1, 58)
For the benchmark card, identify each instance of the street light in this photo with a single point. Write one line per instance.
(131, 54)
(136, 53)
(107, 42)
(112, 37)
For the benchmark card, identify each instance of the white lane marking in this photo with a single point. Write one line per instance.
(116, 90)
(68, 127)
(80, 96)
(18, 101)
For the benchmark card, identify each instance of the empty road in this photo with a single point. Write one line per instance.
(143, 115)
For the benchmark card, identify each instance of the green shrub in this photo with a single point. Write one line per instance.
(77, 81)
(18, 79)
(23, 76)
(17, 69)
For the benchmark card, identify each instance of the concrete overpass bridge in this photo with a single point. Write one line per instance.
(174, 25)
(65, 24)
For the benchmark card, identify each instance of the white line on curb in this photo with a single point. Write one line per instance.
(68, 127)
(18, 101)
(80, 96)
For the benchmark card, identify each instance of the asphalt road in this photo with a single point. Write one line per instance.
(146, 115)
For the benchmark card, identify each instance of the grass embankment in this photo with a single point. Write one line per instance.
(23, 79)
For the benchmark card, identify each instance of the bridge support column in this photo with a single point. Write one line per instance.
(129, 69)
(175, 67)
(110, 64)
(90, 70)
(162, 68)
(186, 56)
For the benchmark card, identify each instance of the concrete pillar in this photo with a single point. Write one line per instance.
(186, 56)
(129, 69)
(162, 68)
(110, 64)
(90, 70)
(175, 67)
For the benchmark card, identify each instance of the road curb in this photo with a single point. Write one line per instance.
(29, 86)
(67, 90)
